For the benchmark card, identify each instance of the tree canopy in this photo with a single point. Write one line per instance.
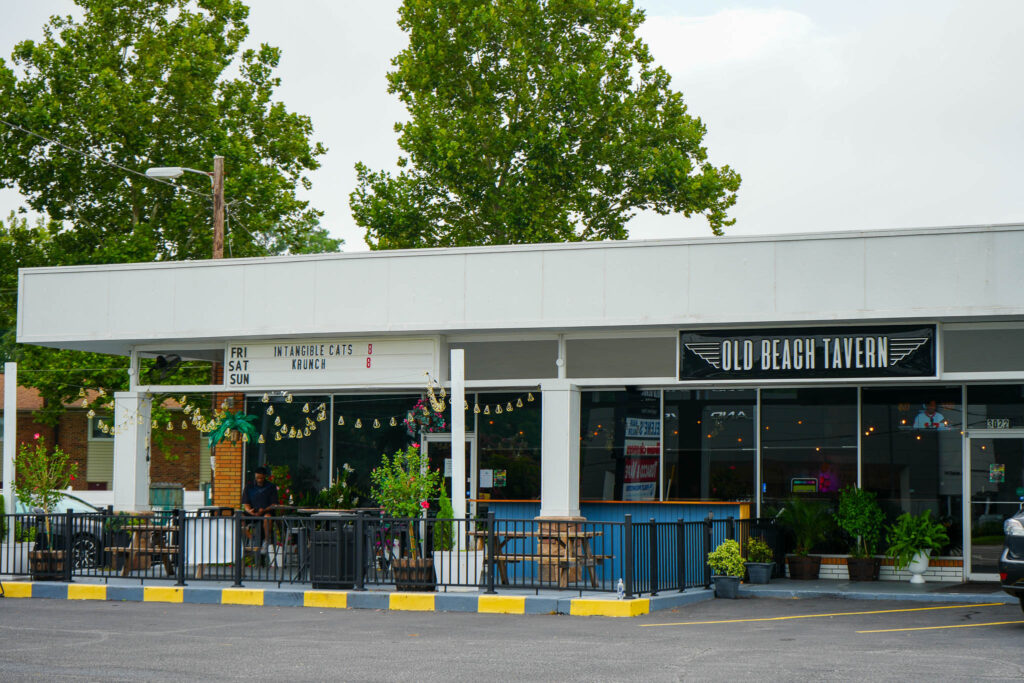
(534, 121)
(141, 83)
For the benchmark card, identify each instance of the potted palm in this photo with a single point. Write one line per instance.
(759, 562)
(860, 516)
(402, 485)
(42, 475)
(912, 538)
(809, 522)
(727, 563)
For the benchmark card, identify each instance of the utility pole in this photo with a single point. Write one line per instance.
(218, 207)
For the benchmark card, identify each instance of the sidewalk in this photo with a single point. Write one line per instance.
(939, 591)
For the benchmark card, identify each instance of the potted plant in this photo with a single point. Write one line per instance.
(809, 522)
(912, 538)
(759, 562)
(727, 563)
(402, 486)
(860, 516)
(16, 541)
(454, 563)
(42, 475)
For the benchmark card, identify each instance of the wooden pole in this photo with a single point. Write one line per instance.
(218, 207)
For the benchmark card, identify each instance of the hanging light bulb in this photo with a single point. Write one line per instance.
(277, 421)
(322, 407)
(508, 408)
(101, 392)
(341, 420)
(245, 438)
(277, 436)
(288, 398)
(487, 410)
(529, 397)
(291, 433)
(85, 403)
(305, 408)
(266, 398)
(305, 432)
(465, 405)
(261, 439)
(298, 435)
(312, 426)
(284, 429)
(359, 423)
(184, 425)
(376, 423)
(497, 409)
(270, 410)
(321, 417)
(188, 409)
(476, 408)
(519, 402)
(91, 414)
(153, 425)
(81, 393)
(394, 422)
(443, 394)
(170, 427)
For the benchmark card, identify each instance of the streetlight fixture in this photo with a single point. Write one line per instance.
(217, 178)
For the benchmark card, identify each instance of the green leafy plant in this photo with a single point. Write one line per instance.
(42, 476)
(860, 516)
(444, 533)
(808, 520)
(24, 533)
(340, 495)
(233, 421)
(913, 533)
(726, 560)
(403, 485)
(759, 551)
(282, 478)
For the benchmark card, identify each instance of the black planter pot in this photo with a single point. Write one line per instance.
(414, 575)
(727, 587)
(863, 568)
(804, 567)
(759, 572)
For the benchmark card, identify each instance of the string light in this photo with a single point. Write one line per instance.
(305, 408)
(529, 397)
(359, 424)
(270, 410)
(519, 403)
(266, 398)
(277, 421)
(288, 398)
(376, 423)
(277, 436)
(341, 420)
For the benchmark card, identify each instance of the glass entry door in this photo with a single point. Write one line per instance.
(995, 490)
(438, 449)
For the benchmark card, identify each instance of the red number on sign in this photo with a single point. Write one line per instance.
(369, 349)
(367, 362)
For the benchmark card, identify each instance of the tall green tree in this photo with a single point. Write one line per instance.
(534, 121)
(142, 83)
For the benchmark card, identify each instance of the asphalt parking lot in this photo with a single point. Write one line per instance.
(762, 639)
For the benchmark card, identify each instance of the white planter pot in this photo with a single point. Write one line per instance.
(918, 565)
(14, 558)
(458, 567)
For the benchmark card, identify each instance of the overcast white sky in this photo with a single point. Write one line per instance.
(854, 115)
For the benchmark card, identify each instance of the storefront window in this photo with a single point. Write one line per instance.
(808, 443)
(508, 446)
(997, 406)
(360, 444)
(912, 451)
(307, 458)
(620, 446)
(709, 444)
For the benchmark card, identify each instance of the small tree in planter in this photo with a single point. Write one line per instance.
(41, 478)
(759, 562)
(862, 519)
(911, 541)
(809, 522)
(727, 563)
(403, 486)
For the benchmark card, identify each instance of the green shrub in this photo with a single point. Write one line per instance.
(809, 522)
(444, 536)
(860, 516)
(726, 560)
(911, 533)
(759, 551)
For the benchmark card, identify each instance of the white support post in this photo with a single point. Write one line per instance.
(457, 368)
(560, 449)
(132, 414)
(10, 433)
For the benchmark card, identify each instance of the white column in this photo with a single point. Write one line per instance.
(560, 449)
(10, 433)
(131, 451)
(457, 367)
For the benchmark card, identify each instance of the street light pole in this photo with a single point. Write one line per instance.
(218, 206)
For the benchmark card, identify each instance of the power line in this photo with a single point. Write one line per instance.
(95, 157)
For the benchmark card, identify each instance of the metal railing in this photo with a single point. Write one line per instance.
(361, 550)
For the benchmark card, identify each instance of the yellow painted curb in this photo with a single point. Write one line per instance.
(412, 602)
(501, 604)
(582, 607)
(86, 592)
(21, 589)
(336, 599)
(162, 594)
(242, 596)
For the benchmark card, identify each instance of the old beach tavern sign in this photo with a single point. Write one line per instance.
(823, 353)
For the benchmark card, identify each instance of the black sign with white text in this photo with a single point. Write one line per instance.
(820, 352)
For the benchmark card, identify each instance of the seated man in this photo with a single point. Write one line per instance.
(257, 498)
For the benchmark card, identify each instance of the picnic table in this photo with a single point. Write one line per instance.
(561, 552)
(148, 540)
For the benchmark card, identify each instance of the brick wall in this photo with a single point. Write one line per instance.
(939, 569)
(227, 455)
(178, 460)
(27, 429)
(73, 433)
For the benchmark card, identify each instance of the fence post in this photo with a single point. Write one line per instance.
(239, 543)
(681, 554)
(627, 554)
(730, 528)
(360, 544)
(181, 547)
(492, 551)
(69, 521)
(654, 557)
(707, 550)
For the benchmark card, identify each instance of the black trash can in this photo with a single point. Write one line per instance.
(333, 551)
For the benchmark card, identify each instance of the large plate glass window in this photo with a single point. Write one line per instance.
(304, 448)
(508, 446)
(997, 406)
(710, 445)
(620, 446)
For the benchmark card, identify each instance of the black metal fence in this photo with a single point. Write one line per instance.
(364, 549)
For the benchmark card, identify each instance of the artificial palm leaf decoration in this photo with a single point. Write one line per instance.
(238, 421)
